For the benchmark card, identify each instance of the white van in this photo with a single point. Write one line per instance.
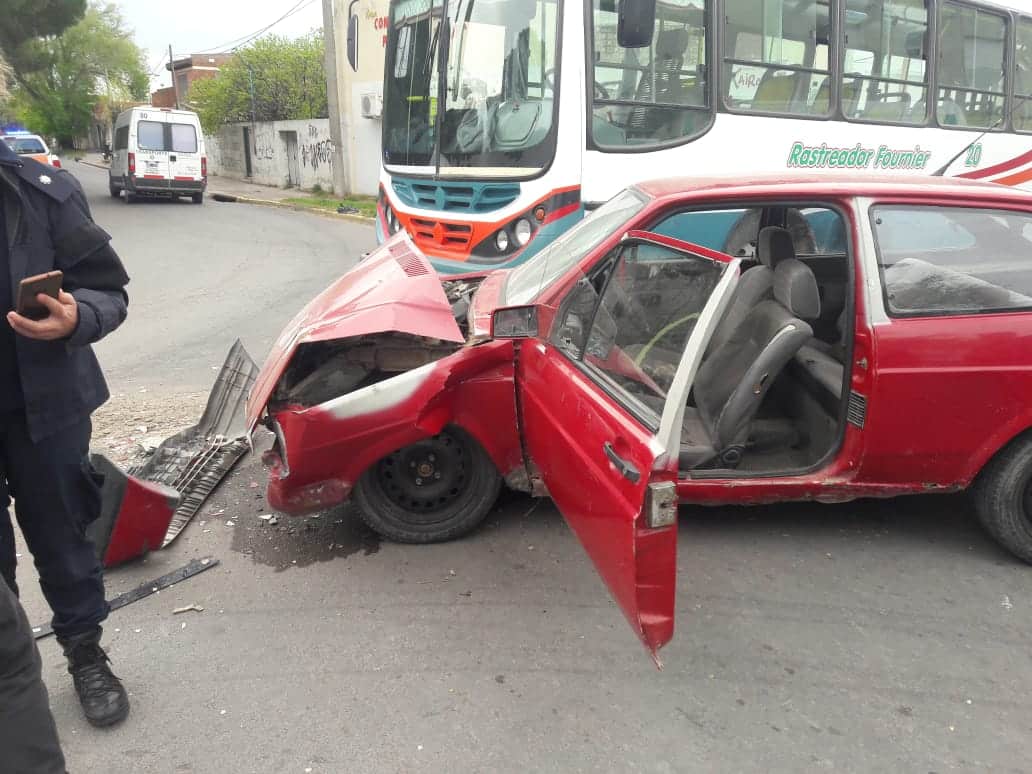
(158, 152)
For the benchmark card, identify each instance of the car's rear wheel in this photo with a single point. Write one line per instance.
(1003, 498)
(130, 197)
(113, 189)
(198, 198)
(437, 489)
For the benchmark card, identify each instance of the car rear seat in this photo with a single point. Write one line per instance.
(824, 362)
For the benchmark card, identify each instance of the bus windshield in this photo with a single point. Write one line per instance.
(469, 86)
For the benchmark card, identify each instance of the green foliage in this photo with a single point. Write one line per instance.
(287, 78)
(61, 79)
(23, 20)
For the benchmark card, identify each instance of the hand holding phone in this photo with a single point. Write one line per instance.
(56, 317)
(48, 284)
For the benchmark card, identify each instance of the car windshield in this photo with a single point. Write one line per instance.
(495, 108)
(26, 145)
(526, 282)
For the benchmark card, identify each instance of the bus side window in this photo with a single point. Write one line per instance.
(778, 57)
(885, 73)
(971, 75)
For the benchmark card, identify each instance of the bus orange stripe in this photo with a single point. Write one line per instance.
(1016, 179)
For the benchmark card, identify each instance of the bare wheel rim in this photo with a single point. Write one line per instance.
(426, 479)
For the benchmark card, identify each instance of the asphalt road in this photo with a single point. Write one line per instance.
(875, 636)
(203, 276)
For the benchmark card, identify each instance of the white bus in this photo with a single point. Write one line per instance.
(505, 120)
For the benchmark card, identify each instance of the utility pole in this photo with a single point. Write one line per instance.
(172, 67)
(340, 177)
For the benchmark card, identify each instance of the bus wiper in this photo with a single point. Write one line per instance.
(431, 49)
(941, 171)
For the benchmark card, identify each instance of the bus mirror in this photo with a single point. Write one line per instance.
(636, 22)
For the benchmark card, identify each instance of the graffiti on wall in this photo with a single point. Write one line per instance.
(316, 154)
(262, 148)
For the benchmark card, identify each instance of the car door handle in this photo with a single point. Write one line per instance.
(627, 470)
(171, 158)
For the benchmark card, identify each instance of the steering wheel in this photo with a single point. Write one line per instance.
(546, 76)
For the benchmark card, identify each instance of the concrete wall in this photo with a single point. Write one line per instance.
(275, 159)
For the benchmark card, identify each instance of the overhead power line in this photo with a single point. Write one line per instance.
(236, 43)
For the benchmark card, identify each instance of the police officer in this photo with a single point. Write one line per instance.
(50, 383)
(28, 736)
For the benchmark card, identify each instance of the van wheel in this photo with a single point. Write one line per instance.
(437, 489)
(198, 198)
(113, 189)
(130, 198)
(1003, 498)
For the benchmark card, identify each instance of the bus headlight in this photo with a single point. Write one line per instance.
(502, 240)
(524, 231)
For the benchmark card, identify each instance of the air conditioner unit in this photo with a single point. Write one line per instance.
(372, 105)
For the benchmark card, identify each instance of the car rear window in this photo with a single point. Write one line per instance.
(184, 138)
(150, 135)
(25, 145)
(953, 260)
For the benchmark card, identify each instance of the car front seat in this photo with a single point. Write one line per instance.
(773, 245)
(733, 381)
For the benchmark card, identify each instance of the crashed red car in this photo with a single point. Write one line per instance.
(692, 342)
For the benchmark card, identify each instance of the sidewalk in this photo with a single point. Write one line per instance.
(232, 190)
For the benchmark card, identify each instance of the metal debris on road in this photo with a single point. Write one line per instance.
(187, 609)
(195, 567)
(194, 461)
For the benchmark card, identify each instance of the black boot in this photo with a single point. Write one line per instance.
(103, 698)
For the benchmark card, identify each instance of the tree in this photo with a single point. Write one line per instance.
(60, 79)
(287, 78)
(24, 20)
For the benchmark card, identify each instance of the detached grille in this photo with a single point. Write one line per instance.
(856, 412)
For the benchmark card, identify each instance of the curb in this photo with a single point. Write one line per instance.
(93, 164)
(221, 196)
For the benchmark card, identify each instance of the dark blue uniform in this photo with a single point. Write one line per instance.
(48, 389)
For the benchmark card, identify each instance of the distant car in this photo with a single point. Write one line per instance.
(33, 146)
(692, 342)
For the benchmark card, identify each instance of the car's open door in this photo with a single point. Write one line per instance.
(602, 400)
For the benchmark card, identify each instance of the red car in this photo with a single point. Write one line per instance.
(691, 342)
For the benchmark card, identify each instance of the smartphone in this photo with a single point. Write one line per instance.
(30, 287)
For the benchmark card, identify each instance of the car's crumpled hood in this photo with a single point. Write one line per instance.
(393, 289)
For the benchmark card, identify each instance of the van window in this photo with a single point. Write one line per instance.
(184, 138)
(150, 135)
(122, 138)
(953, 260)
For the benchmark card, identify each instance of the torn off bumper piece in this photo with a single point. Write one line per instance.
(148, 506)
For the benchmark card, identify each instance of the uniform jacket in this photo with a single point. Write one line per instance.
(49, 227)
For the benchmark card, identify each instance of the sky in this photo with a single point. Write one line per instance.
(203, 26)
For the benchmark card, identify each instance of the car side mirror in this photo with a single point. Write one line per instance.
(514, 322)
(635, 23)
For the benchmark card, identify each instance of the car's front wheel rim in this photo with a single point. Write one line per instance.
(427, 478)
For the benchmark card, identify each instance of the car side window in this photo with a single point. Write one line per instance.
(630, 321)
(815, 230)
(953, 260)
